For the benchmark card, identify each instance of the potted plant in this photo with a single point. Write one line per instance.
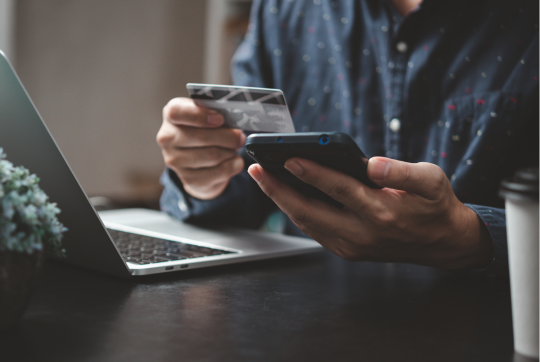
(29, 229)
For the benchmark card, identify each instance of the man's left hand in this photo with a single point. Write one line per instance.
(415, 218)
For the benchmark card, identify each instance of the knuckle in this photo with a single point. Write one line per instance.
(440, 181)
(170, 160)
(344, 253)
(340, 190)
(172, 108)
(301, 218)
(270, 191)
(164, 138)
(386, 218)
(181, 109)
(235, 166)
(306, 230)
(406, 176)
(339, 252)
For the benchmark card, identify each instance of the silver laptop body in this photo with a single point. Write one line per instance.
(27, 142)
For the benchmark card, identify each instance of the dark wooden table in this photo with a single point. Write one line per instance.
(310, 308)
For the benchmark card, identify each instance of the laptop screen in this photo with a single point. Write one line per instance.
(27, 142)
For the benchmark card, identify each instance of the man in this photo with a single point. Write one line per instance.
(449, 88)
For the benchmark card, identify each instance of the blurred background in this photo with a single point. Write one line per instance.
(100, 72)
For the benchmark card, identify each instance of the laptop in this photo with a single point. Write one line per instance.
(120, 242)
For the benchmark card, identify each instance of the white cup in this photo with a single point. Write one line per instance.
(521, 194)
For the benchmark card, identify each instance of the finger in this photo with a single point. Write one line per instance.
(170, 136)
(341, 187)
(305, 213)
(328, 241)
(184, 111)
(337, 245)
(166, 135)
(206, 178)
(425, 179)
(196, 158)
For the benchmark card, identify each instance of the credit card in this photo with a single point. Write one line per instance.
(246, 108)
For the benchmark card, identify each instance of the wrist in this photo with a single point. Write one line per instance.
(473, 241)
(482, 239)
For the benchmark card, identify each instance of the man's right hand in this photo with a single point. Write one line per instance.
(195, 146)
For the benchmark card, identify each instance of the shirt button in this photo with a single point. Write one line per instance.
(395, 125)
(182, 206)
(401, 47)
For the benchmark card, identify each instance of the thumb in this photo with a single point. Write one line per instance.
(425, 179)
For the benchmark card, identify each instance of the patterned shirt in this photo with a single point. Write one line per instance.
(454, 83)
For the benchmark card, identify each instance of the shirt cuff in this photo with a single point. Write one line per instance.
(495, 221)
(178, 203)
(242, 204)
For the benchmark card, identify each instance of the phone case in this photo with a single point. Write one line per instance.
(331, 149)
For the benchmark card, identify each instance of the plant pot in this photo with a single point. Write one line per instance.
(19, 273)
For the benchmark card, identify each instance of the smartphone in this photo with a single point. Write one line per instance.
(331, 149)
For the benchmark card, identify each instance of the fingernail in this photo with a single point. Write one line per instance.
(215, 119)
(378, 169)
(253, 170)
(294, 168)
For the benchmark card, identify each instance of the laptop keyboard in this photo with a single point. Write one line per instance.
(142, 249)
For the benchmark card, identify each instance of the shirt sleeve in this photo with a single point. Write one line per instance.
(242, 204)
(495, 221)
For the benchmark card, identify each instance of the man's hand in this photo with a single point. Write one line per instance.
(202, 154)
(415, 218)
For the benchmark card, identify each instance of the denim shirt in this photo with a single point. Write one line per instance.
(454, 83)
